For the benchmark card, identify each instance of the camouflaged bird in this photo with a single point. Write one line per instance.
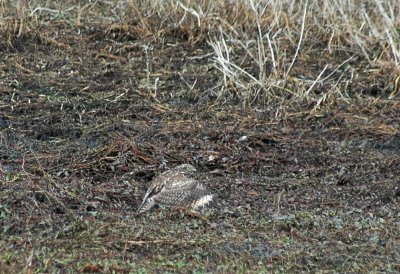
(176, 188)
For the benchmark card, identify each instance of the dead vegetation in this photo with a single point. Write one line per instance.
(289, 110)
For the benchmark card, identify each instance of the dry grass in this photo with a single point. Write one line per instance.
(310, 51)
(289, 109)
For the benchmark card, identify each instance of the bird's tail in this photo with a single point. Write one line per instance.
(146, 196)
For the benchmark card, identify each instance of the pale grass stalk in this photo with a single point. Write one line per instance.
(389, 33)
(316, 81)
(271, 50)
(341, 65)
(193, 12)
(300, 39)
(230, 69)
(260, 43)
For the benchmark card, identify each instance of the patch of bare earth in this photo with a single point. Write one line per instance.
(89, 114)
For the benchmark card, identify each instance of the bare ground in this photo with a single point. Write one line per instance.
(89, 114)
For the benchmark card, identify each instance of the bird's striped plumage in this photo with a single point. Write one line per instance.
(176, 188)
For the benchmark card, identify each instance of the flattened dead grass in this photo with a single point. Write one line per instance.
(288, 110)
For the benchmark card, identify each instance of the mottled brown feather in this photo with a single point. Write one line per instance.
(175, 188)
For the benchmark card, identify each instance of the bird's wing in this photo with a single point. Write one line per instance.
(182, 193)
(167, 182)
(180, 182)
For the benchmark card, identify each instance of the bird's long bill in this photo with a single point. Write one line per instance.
(145, 198)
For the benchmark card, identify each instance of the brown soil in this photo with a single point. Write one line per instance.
(89, 114)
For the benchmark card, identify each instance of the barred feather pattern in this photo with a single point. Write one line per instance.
(176, 188)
